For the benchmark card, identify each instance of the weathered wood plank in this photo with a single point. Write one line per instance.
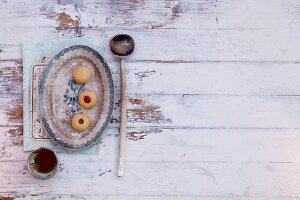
(176, 45)
(220, 78)
(182, 14)
(11, 78)
(11, 143)
(11, 112)
(159, 179)
(114, 197)
(179, 145)
(194, 111)
(37, 196)
(186, 78)
(213, 111)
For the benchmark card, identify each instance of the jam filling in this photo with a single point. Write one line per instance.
(87, 99)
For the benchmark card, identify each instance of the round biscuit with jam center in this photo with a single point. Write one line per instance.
(80, 122)
(81, 74)
(87, 99)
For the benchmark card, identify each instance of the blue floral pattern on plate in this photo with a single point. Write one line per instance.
(72, 99)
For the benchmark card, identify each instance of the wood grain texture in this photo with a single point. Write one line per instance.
(235, 78)
(178, 45)
(152, 14)
(234, 180)
(183, 145)
(196, 111)
(132, 197)
(213, 99)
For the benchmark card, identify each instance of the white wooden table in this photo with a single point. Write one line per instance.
(213, 99)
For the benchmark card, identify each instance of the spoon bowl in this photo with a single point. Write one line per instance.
(122, 45)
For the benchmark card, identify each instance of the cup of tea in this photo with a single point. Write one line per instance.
(42, 163)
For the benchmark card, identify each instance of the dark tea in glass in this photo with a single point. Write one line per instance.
(42, 163)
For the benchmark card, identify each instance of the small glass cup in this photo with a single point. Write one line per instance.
(42, 163)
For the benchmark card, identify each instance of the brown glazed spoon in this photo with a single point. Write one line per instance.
(122, 45)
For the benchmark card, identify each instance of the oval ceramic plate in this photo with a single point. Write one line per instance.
(58, 97)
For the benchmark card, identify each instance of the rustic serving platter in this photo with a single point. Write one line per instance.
(58, 97)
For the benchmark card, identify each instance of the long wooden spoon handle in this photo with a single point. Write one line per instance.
(122, 148)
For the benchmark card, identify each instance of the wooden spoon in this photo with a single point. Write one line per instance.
(122, 45)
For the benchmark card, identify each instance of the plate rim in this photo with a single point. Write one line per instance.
(42, 82)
